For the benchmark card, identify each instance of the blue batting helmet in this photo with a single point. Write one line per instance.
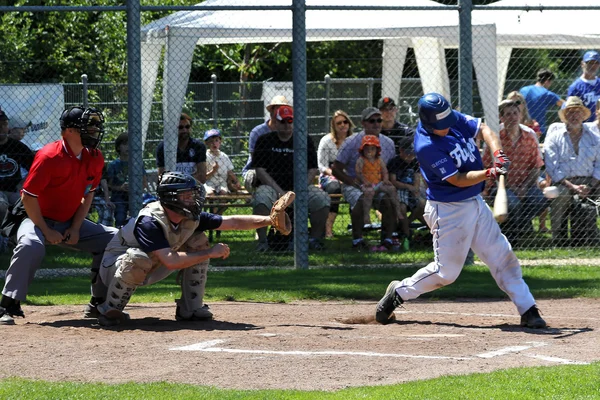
(436, 112)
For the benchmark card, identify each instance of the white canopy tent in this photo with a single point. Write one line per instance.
(428, 32)
(495, 34)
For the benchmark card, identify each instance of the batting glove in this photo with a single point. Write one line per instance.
(502, 159)
(495, 172)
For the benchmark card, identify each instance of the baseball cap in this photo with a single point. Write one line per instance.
(386, 102)
(211, 133)
(591, 55)
(3, 116)
(17, 122)
(369, 112)
(285, 113)
(278, 101)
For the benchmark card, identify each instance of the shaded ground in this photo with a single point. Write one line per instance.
(304, 345)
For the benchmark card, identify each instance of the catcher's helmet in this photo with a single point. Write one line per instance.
(435, 112)
(89, 121)
(172, 184)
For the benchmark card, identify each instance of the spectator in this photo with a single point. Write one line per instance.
(117, 175)
(405, 176)
(270, 125)
(56, 196)
(526, 119)
(587, 86)
(539, 98)
(191, 153)
(373, 175)
(572, 157)
(525, 199)
(15, 161)
(220, 179)
(17, 128)
(341, 126)
(392, 128)
(273, 160)
(102, 204)
(344, 170)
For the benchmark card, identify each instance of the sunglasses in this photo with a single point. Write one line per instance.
(373, 120)
(344, 122)
(185, 126)
(518, 102)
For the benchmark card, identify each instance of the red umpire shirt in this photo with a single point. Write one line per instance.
(59, 180)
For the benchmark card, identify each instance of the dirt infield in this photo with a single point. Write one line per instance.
(304, 345)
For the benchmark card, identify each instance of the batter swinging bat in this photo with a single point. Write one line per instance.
(501, 202)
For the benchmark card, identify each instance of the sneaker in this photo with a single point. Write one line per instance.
(388, 244)
(532, 319)
(201, 314)
(11, 309)
(360, 245)
(91, 309)
(315, 244)
(262, 247)
(384, 312)
(379, 248)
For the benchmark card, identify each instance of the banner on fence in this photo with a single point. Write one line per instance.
(39, 107)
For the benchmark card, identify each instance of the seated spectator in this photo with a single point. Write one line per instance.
(406, 178)
(373, 175)
(273, 160)
(572, 157)
(15, 160)
(525, 199)
(344, 170)
(102, 204)
(525, 117)
(341, 127)
(191, 152)
(117, 176)
(270, 125)
(539, 98)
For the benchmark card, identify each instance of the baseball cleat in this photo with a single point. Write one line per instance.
(384, 312)
(201, 314)
(532, 319)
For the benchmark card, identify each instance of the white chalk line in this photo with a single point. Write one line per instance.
(210, 346)
(489, 315)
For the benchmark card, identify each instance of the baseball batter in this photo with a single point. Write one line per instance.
(459, 219)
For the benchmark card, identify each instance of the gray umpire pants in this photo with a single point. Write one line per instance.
(31, 249)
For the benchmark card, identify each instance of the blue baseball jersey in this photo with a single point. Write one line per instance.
(441, 157)
(588, 92)
(538, 100)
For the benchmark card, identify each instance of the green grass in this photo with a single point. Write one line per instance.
(284, 285)
(561, 382)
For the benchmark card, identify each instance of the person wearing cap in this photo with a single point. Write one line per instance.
(572, 158)
(191, 152)
(56, 198)
(539, 98)
(17, 128)
(525, 199)
(270, 125)
(459, 219)
(392, 128)
(220, 178)
(117, 179)
(344, 170)
(273, 160)
(15, 161)
(587, 86)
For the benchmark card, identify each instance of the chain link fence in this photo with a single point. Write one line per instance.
(356, 56)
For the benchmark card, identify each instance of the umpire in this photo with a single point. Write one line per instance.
(56, 197)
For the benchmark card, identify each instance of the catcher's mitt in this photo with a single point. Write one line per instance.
(280, 220)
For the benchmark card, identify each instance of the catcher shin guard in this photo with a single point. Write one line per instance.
(111, 311)
(190, 306)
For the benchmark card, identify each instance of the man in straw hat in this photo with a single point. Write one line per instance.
(572, 158)
(270, 125)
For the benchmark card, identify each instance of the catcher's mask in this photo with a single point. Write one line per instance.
(181, 193)
(89, 121)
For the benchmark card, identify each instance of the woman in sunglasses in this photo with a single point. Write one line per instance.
(526, 119)
(341, 126)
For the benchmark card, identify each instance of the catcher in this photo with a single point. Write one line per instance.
(168, 235)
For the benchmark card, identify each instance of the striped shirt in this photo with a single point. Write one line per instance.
(561, 159)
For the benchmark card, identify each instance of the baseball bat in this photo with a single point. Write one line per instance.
(501, 202)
